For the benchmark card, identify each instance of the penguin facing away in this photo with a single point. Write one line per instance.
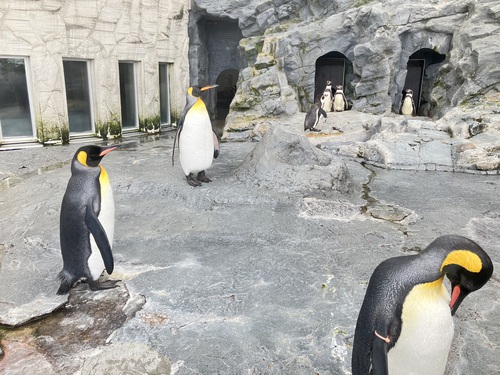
(313, 116)
(405, 324)
(339, 99)
(326, 98)
(198, 143)
(87, 222)
(407, 107)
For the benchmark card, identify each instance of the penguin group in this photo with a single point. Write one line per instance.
(331, 100)
(405, 323)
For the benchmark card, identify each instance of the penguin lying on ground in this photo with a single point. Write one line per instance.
(339, 99)
(313, 116)
(405, 325)
(87, 222)
(407, 107)
(198, 143)
(326, 98)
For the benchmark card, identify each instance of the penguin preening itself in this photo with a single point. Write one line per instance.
(198, 143)
(87, 221)
(339, 99)
(407, 107)
(313, 116)
(405, 324)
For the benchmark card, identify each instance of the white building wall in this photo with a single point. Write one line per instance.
(104, 32)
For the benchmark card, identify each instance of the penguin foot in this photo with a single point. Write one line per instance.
(315, 130)
(201, 177)
(96, 285)
(192, 181)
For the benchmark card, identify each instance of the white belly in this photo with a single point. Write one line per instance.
(327, 104)
(426, 334)
(407, 107)
(107, 219)
(338, 103)
(196, 143)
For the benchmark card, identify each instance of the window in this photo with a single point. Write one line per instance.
(76, 79)
(165, 94)
(128, 97)
(15, 110)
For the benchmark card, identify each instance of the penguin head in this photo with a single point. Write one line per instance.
(91, 155)
(196, 90)
(408, 92)
(466, 265)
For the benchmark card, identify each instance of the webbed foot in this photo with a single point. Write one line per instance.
(201, 177)
(192, 181)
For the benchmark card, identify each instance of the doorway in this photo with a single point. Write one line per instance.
(333, 66)
(225, 92)
(128, 95)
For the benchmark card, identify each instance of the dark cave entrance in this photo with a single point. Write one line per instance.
(214, 58)
(421, 73)
(336, 67)
(226, 80)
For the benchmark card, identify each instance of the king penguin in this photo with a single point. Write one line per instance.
(405, 324)
(313, 116)
(407, 107)
(339, 99)
(87, 221)
(198, 143)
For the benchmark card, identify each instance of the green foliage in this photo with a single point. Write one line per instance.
(150, 124)
(111, 127)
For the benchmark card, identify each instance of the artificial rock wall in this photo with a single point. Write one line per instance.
(102, 32)
(285, 38)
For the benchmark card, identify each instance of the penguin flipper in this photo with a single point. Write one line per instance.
(379, 355)
(322, 112)
(95, 227)
(179, 129)
(216, 145)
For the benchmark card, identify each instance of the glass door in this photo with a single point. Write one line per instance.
(15, 111)
(164, 94)
(77, 83)
(128, 95)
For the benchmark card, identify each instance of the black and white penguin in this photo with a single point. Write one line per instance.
(327, 97)
(405, 324)
(313, 116)
(87, 221)
(407, 107)
(198, 143)
(339, 99)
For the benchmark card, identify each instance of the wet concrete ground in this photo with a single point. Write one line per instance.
(231, 278)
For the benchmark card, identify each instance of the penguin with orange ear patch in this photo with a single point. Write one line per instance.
(405, 325)
(198, 143)
(87, 221)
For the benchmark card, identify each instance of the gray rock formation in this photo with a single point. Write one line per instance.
(127, 358)
(287, 162)
(283, 41)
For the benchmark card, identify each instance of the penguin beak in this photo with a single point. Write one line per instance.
(209, 87)
(457, 296)
(107, 150)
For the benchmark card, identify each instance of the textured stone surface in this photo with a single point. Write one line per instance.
(103, 32)
(233, 278)
(127, 358)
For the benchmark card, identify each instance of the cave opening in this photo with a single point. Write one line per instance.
(214, 58)
(421, 73)
(335, 67)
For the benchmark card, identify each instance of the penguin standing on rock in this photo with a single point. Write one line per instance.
(313, 116)
(405, 325)
(407, 107)
(87, 222)
(326, 98)
(198, 143)
(339, 99)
